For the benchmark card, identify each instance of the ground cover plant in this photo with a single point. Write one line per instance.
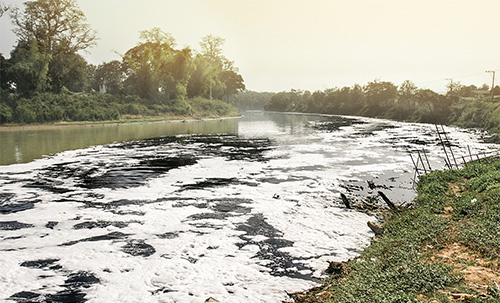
(443, 248)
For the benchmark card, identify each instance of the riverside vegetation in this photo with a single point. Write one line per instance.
(154, 78)
(444, 248)
(464, 106)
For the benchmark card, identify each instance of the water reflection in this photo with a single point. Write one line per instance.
(24, 145)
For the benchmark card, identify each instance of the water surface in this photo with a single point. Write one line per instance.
(21, 145)
(240, 214)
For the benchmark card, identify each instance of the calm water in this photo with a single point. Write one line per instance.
(237, 210)
(19, 145)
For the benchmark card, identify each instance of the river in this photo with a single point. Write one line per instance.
(239, 210)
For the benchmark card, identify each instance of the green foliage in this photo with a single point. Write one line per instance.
(211, 108)
(406, 103)
(391, 268)
(50, 32)
(69, 70)
(5, 113)
(108, 77)
(251, 100)
(156, 70)
(400, 267)
(51, 107)
(480, 205)
(487, 181)
(28, 68)
(55, 25)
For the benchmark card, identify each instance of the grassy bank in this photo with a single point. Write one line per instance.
(385, 100)
(87, 108)
(444, 248)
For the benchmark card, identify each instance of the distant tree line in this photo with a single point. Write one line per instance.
(467, 106)
(154, 75)
(251, 100)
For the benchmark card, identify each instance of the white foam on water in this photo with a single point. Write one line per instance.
(249, 238)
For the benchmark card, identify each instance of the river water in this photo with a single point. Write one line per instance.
(236, 210)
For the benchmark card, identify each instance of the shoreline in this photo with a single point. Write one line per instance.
(151, 120)
(443, 248)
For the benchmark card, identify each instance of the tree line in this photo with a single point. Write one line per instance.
(466, 106)
(154, 76)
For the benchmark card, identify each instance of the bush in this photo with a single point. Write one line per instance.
(50, 107)
(6, 114)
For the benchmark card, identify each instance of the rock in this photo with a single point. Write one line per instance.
(211, 300)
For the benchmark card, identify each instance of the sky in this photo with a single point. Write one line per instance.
(312, 44)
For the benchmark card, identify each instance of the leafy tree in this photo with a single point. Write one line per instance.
(233, 83)
(467, 91)
(248, 99)
(378, 94)
(215, 76)
(496, 90)
(29, 68)
(60, 30)
(53, 24)
(453, 88)
(5, 77)
(70, 70)
(407, 89)
(110, 75)
(202, 79)
(157, 36)
(211, 47)
(155, 69)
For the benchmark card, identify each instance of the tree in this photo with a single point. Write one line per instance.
(5, 77)
(378, 94)
(28, 68)
(155, 69)
(59, 29)
(54, 24)
(109, 75)
(467, 91)
(453, 88)
(214, 76)
(407, 89)
(496, 90)
(157, 36)
(211, 47)
(70, 70)
(233, 83)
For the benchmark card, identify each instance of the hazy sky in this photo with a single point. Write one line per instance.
(313, 44)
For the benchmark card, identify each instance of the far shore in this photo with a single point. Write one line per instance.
(132, 120)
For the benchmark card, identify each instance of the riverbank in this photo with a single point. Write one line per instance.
(125, 121)
(94, 107)
(444, 248)
(384, 100)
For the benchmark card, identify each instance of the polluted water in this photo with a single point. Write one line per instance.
(242, 216)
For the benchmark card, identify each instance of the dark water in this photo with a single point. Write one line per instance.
(240, 211)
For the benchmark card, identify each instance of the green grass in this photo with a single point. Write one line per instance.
(406, 264)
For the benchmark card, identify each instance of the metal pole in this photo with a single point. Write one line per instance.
(414, 165)
(448, 163)
(451, 151)
(427, 159)
(421, 160)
